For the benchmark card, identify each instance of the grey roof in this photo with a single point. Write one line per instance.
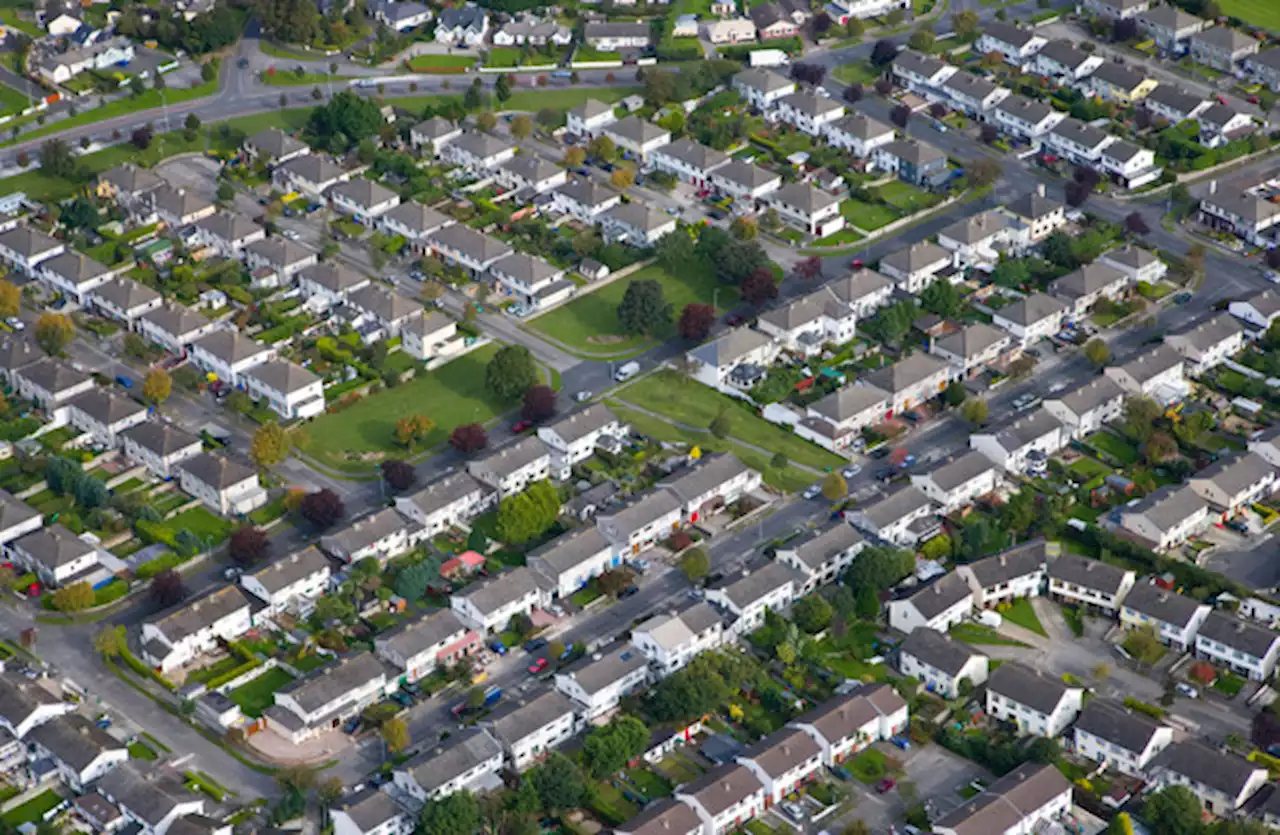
(275, 143)
(333, 276)
(1213, 767)
(1120, 726)
(746, 175)
(1267, 303)
(970, 84)
(282, 375)
(591, 108)
(1010, 564)
(1027, 430)
(695, 153)
(428, 324)
(467, 17)
(418, 217)
(842, 717)
(20, 698)
(781, 751)
(729, 347)
(217, 471)
(161, 438)
(1163, 605)
(940, 595)
(146, 796)
(1165, 508)
(313, 168)
(54, 546)
(1087, 573)
(510, 458)
(445, 491)
(766, 81)
(52, 376)
(1210, 332)
(230, 346)
(862, 126)
(464, 239)
(861, 284)
(916, 257)
(480, 145)
(1269, 58)
(906, 372)
(640, 216)
(529, 167)
(616, 30)
(363, 192)
(810, 104)
(1024, 685)
(74, 267)
(105, 407)
(1101, 389)
(1237, 634)
(722, 787)
(1033, 111)
(1031, 309)
(178, 201)
(749, 586)
(175, 318)
(1152, 364)
(1122, 151)
(518, 718)
(693, 482)
(1090, 278)
(583, 422)
(957, 472)
(913, 151)
(74, 739)
(972, 340)
(130, 178)
(1118, 75)
(17, 353)
(1224, 38)
(423, 633)
(365, 532)
(889, 509)
(1237, 473)
(938, 650)
(1033, 206)
(1008, 802)
(1174, 97)
(815, 551)
(908, 60)
(230, 226)
(1006, 33)
(850, 401)
(281, 251)
(438, 765)
(1217, 115)
(1065, 53)
(384, 303)
(125, 293)
(663, 817)
(200, 613)
(14, 511)
(1074, 130)
(804, 197)
(634, 128)
(325, 685)
(596, 672)
(767, 14)
(970, 230)
(369, 809)
(492, 594)
(587, 192)
(297, 566)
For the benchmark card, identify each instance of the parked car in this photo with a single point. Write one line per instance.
(1187, 690)
(582, 396)
(538, 666)
(851, 470)
(812, 491)
(628, 591)
(535, 645)
(521, 426)
(124, 381)
(1182, 298)
(886, 785)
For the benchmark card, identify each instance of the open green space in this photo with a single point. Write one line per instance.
(120, 107)
(867, 216)
(973, 633)
(202, 522)
(1021, 613)
(856, 72)
(449, 63)
(9, 17)
(12, 101)
(259, 694)
(589, 324)
(1265, 13)
(870, 766)
(906, 198)
(139, 750)
(289, 78)
(452, 395)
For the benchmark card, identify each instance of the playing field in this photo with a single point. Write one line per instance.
(1264, 13)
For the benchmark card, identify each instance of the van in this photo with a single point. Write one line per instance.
(989, 618)
(626, 371)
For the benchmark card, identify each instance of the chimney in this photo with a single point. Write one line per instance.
(1040, 189)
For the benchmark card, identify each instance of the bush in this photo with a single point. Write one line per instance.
(1142, 707)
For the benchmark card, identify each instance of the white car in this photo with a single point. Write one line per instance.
(290, 234)
(812, 491)
(851, 470)
(1187, 690)
(1057, 386)
(15, 323)
(582, 397)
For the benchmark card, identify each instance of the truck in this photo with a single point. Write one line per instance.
(769, 58)
(626, 371)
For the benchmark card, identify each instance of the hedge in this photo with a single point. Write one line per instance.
(1142, 707)
(153, 532)
(231, 675)
(151, 568)
(142, 669)
(792, 46)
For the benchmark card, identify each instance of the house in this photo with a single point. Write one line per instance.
(327, 697)
(82, 751)
(710, 485)
(414, 222)
(459, 244)
(972, 94)
(569, 562)
(531, 726)
(732, 31)
(911, 381)
(589, 118)
(55, 555)
(598, 683)
(1222, 123)
(742, 180)
(944, 665)
(468, 761)
(866, 291)
(228, 232)
(1173, 619)
(1209, 343)
(690, 161)
(362, 199)
(178, 207)
(672, 639)
(1258, 310)
(1037, 215)
(772, 22)
(956, 483)
(289, 390)
(74, 275)
(573, 438)
(1242, 647)
(532, 32)
(859, 134)
(1232, 483)
(17, 518)
(291, 584)
(585, 200)
(275, 147)
(222, 484)
(1157, 373)
(1078, 142)
(422, 646)
(1141, 265)
(371, 811)
(632, 135)
(807, 112)
(636, 224)
(842, 11)
(1166, 518)
(50, 384)
(1085, 287)
(1129, 165)
(173, 327)
(913, 162)
(434, 133)
(280, 256)
(489, 605)
(977, 239)
(127, 183)
(815, 211)
(1245, 215)
(1025, 118)
(972, 348)
(663, 817)
(431, 336)
(173, 640)
(1222, 781)
(530, 172)
(1024, 445)
(821, 558)
(762, 88)
(1118, 83)
(400, 15)
(733, 362)
(916, 267)
(837, 420)
(124, 299)
(104, 416)
(725, 797)
(15, 355)
(1063, 62)
(783, 762)
(1080, 581)
(24, 248)
(464, 25)
(227, 355)
(26, 705)
(1117, 9)
(1174, 104)
(448, 501)
(921, 74)
(148, 803)
(514, 467)
(805, 325)
(330, 283)
(1027, 799)
(383, 312)
(1016, 44)
(380, 535)
(1222, 48)
(939, 605)
(616, 37)
(1039, 704)
(748, 595)
(160, 447)
(1119, 738)
(479, 153)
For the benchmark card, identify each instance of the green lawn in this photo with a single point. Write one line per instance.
(858, 72)
(451, 63)
(503, 56)
(972, 633)
(869, 766)
(1086, 468)
(9, 17)
(696, 405)
(589, 324)
(202, 522)
(1114, 445)
(450, 396)
(1022, 614)
(139, 750)
(1265, 13)
(32, 810)
(1229, 684)
(867, 216)
(120, 107)
(259, 694)
(289, 78)
(12, 101)
(843, 237)
(907, 198)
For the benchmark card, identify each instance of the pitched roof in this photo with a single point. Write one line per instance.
(1166, 507)
(217, 471)
(722, 787)
(297, 566)
(663, 817)
(861, 126)
(178, 201)
(745, 174)
(1065, 53)
(693, 482)
(130, 178)
(365, 532)
(1224, 38)
(1031, 309)
(276, 143)
(766, 81)
(850, 401)
(938, 650)
(1089, 279)
(781, 751)
(1008, 802)
(384, 303)
(125, 293)
(1032, 111)
(230, 346)
(916, 257)
(810, 104)
(861, 284)
(959, 471)
(748, 587)
(161, 438)
(599, 670)
(972, 340)
(74, 739)
(14, 511)
(200, 613)
(1033, 206)
(1006, 33)
(54, 546)
(565, 553)
(587, 192)
(1162, 604)
(842, 717)
(1101, 389)
(1119, 76)
(230, 226)
(17, 353)
(580, 424)
(1238, 634)
(635, 129)
(105, 407)
(913, 151)
(823, 545)
(804, 197)
(1074, 130)
(500, 590)
(52, 376)
(1210, 332)
(521, 717)
(418, 217)
(906, 372)
(322, 687)
(511, 458)
(363, 192)
(369, 809)
(730, 347)
(282, 375)
(462, 238)
(695, 153)
(73, 267)
(424, 633)
(1152, 363)
(1027, 686)
(1175, 98)
(445, 491)
(1212, 767)
(937, 597)
(147, 796)
(675, 629)
(1086, 572)
(176, 319)
(1120, 726)
(640, 216)
(440, 764)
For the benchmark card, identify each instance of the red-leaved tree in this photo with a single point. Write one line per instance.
(696, 320)
(468, 438)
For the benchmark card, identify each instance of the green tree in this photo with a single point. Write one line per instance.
(603, 149)
(695, 564)
(644, 308)
(1143, 645)
(974, 410)
(1140, 415)
(834, 487)
(1120, 825)
(291, 21)
(1018, 512)
(457, 813)
(80, 213)
(109, 641)
(1013, 273)
(528, 514)
(511, 372)
(157, 386)
(1174, 811)
(923, 39)
(965, 23)
(606, 749)
(226, 192)
(345, 121)
(812, 613)
(56, 159)
(942, 298)
(395, 733)
(1097, 352)
(879, 567)
(486, 121)
(270, 445)
(559, 783)
(10, 299)
(502, 87)
(521, 127)
(955, 394)
(74, 598)
(867, 603)
(721, 425)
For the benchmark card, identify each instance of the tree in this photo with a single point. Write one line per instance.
(696, 321)
(457, 813)
(527, 515)
(395, 734)
(559, 783)
(412, 582)
(225, 192)
(759, 288)
(521, 127)
(644, 308)
(1136, 224)
(249, 545)
(346, 120)
(942, 298)
(486, 121)
(744, 228)
(695, 564)
(982, 172)
(834, 487)
(502, 87)
(965, 23)
(923, 39)
(1097, 352)
(1160, 447)
(167, 588)
(56, 159)
(853, 93)
(157, 386)
(883, 52)
(109, 641)
(1143, 645)
(54, 333)
(721, 425)
(812, 614)
(10, 299)
(900, 115)
(141, 137)
(623, 177)
(607, 749)
(603, 149)
(323, 508)
(1140, 414)
(539, 404)
(80, 214)
(1174, 811)
(866, 603)
(955, 394)
(191, 127)
(511, 372)
(469, 438)
(413, 429)
(879, 568)
(809, 268)
(270, 445)
(399, 475)
(74, 598)
(1012, 274)
(575, 157)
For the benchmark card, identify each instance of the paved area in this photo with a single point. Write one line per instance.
(937, 774)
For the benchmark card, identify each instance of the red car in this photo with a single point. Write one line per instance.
(857, 264)
(521, 426)
(538, 666)
(886, 785)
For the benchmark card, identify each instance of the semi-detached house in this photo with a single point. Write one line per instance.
(598, 683)
(1012, 574)
(973, 94)
(330, 283)
(667, 816)
(290, 584)
(922, 74)
(917, 266)
(151, 803)
(1209, 343)
(762, 88)
(228, 354)
(532, 173)
(859, 134)
(724, 798)
(1242, 647)
(325, 698)
(75, 275)
(815, 211)
(275, 261)
(1232, 484)
(514, 467)
(17, 518)
(636, 137)
(382, 312)
(1157, 373)
(941, 662)
(939, 605)
(1087, 409)
(371, 811)
(690, 161)
(415, 223)
(904, 518)
(310, 175)
(957, 483)
(25, 248)
(866, 291)
(742, 180)
(1222, 781)
(837, 420)
(844, 725)
(714, 482)
(821, 558)
(177, 207)
(1222, 48)
(1025, 118)
(807, 112)
(1173, 618)
(470, 760)
(26, 705)
(104, 416)
(380, 536)
(431, 337)
(452, 500)
(176, 638)
(911, 382)
(573, 438)
(971, 348)
(1039, 704)
(1085, 287)
(636, 224)
(478, 152)
(1064, 62)
(585, 200)
(671, 640)
(275, 146)
(228, 233)
(1023, 446)
(230, 488)
(1120, 738)
(735, 361)
(1165, 518)
(291, 391)
(124, 299)
(363, 200)
(1032, 318)
(569, 562)
(1170, 27)
(55, 555)
(50, 383)
(588, 118)
(420, 647)
(173, 327)
(783, 762)
(489, 605)
(754, 591)
(1016, 44)
(1078, 142)
(81, 751)
(532, 726)
(1027, 799)
(1093, 584)
(160, 447)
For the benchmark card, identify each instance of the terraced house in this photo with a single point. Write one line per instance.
(1173, 618)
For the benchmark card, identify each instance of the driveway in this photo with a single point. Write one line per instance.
(937, 774)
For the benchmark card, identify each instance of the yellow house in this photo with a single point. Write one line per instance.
(1119, 83)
